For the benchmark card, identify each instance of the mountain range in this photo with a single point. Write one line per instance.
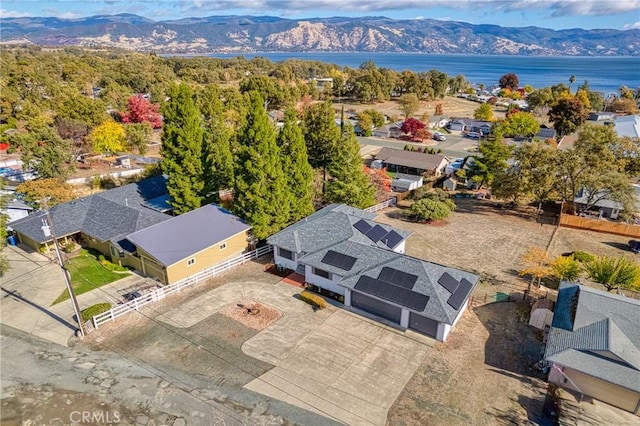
(246, 34)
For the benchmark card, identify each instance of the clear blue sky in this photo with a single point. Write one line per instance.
(556, 14)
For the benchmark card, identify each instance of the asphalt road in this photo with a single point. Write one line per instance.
(455, 145)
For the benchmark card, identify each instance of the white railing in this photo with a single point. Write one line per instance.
(162, 292)
(390, 202)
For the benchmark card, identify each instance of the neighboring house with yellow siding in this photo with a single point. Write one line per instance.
(130, 225)
(185, 244)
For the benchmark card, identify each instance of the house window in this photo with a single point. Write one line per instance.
(223, 246)
(287, 254)
(191, 261)
(321, 273)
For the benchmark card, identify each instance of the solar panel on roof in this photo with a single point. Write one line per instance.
(393, 276)
(362, 226)
(393, 293)
(392, 239)
(460, 295)
(376, 233)
(448, 282)
(339, 260)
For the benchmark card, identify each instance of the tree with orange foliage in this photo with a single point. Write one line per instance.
(380, 180)
(536, 263)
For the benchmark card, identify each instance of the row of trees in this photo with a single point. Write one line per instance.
(271, 172)
(613, 273)
(35, 81)
(598, 165)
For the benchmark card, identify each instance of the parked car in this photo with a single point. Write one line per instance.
(439, 137)
(635, 246)
(473, 135)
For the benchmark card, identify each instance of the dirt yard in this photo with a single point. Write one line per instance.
(484, 239)
(483, 374)
(451, 106)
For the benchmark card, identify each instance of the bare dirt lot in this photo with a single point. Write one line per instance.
(484, 239)
(483, 374)
(451, 106)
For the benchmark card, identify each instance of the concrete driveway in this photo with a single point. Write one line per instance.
(332, 362)
(31, 285)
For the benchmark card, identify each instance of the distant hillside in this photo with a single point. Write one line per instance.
(264, 33)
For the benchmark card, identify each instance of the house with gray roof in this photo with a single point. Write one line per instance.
(593, 347)
(342, 250)
(100, 221)
(184, 245)
(411, 162)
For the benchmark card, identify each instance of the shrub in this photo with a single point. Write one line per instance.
(101, 258)
(583, 256)
(428, 209)
(68, 247)
(94, 310)
(566, 268)
(313, 299)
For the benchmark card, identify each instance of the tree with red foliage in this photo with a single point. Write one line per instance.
(412, 125)
(141, 110)
(423, 134)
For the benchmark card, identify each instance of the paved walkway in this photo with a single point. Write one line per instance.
(31, 285)
(332, 362)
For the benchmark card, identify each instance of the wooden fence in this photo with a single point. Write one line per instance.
(600, 225)
(162, 292)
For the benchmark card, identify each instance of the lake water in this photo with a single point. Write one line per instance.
(605, 74)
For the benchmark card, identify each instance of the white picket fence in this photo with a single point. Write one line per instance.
(162, 292)
(383, 205)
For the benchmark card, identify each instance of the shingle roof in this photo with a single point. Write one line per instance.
(183, 236)
(334, 229)
(418, 160)
(329, 226)
(105, 216)
(427, 284)
(597, 333)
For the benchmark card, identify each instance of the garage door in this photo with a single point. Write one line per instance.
(376, 307)
(424, 325)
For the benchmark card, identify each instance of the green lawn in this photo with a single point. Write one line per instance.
(87, 274)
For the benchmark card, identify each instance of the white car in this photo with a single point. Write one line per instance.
(439, 137)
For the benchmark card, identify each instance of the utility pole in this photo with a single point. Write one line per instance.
(47, 229)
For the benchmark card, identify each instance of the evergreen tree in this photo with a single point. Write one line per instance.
(217, 159)
(321, 134)
(182, 149)
(261, 196)
(295, 163)
(349, 184)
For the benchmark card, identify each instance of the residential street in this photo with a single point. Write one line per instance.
(455, 145)
(45, 383)
(33, 283)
